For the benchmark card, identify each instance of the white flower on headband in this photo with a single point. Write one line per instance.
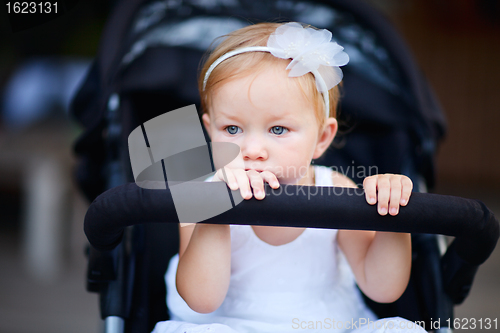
(311, 50)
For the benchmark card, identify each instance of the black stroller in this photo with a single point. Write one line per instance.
(147, 65)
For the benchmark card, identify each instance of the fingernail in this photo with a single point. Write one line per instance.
(403, 201)
(383, 211)
(372, 200)
(394, 211)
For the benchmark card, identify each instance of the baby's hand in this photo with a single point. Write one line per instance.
(390, 190)
(244, 180)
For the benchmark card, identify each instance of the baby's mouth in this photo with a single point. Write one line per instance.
(258, 170)
(278, 172)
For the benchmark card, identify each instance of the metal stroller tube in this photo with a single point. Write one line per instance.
(475, 227)
(114, 324)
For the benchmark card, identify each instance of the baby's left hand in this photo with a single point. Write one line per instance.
(390, 191)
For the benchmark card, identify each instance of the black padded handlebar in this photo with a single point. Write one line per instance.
(475, 227)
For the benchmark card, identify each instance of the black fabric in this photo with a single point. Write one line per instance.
(475, 227)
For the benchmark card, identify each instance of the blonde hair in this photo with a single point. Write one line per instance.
(245, 63)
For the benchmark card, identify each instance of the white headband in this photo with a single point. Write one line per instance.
(311, 50)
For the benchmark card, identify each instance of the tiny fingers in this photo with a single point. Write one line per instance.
(228, 176)
(243, 183)
(247, 181)
(257, 184)
(395, 195)
(383, 195)
(256, 180)
(271, 179)
(407, 187)
(235, 179)
(370, 186)
(390, 191)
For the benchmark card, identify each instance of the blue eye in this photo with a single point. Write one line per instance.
(278, 130)
(232, 129)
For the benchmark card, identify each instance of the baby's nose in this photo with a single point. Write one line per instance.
(254, 148)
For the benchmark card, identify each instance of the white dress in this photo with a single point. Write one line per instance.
(304, 285)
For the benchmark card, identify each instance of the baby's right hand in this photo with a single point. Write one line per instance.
(245, 180)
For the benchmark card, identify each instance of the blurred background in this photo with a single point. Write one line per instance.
(42, 263)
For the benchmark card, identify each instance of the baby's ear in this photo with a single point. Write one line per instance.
(206, 122)
(326, 137)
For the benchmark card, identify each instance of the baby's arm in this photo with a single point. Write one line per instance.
(381, 261)
(204, 267)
